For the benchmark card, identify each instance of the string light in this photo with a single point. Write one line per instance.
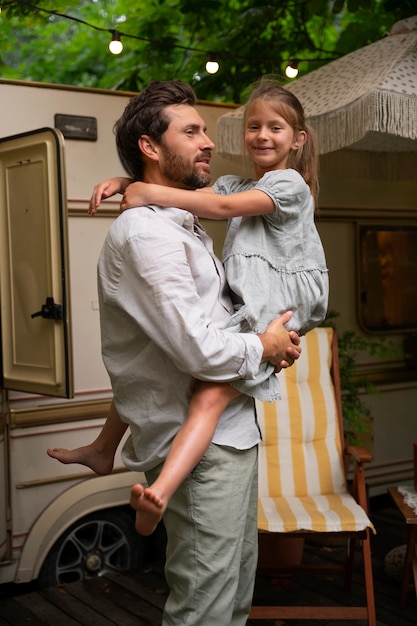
(291, 71)
(115, 46)
(212, 65)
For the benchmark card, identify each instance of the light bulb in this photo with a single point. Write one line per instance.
(212, 66)
(115, 46)
(291, 71)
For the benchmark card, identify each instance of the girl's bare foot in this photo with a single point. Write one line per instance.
(149, 509)
(101, 463)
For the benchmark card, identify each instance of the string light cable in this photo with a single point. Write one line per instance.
(212, 64)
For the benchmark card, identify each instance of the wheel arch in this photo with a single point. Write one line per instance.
(95, 494)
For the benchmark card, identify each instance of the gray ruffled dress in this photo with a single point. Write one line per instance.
(274, 263)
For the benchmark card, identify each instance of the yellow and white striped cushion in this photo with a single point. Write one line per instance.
(301, 478)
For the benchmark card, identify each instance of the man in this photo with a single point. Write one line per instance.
(163, 306)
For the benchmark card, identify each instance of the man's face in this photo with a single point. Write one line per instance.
(185, 149)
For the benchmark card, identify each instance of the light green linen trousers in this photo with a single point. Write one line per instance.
(212, 548)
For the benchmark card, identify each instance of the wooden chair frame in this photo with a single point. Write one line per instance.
(356, 456)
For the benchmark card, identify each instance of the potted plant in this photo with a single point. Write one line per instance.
(357, 418)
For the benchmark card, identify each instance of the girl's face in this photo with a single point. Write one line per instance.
(269, 138)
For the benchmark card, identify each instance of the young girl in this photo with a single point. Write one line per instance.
(274, 262)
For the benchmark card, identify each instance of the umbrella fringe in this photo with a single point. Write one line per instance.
(230, 142)
(377, 111)
(399, 114)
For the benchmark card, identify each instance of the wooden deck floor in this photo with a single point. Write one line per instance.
(137, 598)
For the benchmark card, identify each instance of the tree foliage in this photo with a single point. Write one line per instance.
(356, 412)
(67, 42)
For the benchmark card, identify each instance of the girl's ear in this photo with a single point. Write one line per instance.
(148, 147)
(300, 137)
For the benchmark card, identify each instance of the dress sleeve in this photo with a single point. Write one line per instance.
(226, 185)
(287, 189)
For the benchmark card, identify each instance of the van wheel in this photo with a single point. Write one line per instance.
(95, 545)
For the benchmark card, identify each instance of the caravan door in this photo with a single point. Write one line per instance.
(34, 290)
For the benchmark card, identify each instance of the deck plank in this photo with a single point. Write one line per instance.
(131, 606)
(85, 613)
(47, 613)
(149, 584)
(13, 613)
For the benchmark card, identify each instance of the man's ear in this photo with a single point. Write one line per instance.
(148, 147)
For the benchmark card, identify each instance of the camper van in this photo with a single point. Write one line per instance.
(60, 523)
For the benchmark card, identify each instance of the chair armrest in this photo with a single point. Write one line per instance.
(360, 455)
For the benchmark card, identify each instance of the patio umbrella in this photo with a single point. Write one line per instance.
(366, 100)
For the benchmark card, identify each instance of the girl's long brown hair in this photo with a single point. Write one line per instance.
(305, 159)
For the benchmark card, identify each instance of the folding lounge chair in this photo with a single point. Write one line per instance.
(303, 466)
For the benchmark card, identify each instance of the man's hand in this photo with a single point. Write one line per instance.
(281, 347)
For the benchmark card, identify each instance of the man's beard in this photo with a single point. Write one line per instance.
(178, 170)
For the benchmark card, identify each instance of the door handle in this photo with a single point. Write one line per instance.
(49, 310)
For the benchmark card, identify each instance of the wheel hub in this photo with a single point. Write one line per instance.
(93, 563)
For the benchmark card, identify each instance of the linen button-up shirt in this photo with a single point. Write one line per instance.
(164, 303)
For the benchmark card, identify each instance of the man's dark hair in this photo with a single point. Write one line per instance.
(145, 115)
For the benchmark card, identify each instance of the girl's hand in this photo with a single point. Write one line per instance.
(106, 189)
(137, 194)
